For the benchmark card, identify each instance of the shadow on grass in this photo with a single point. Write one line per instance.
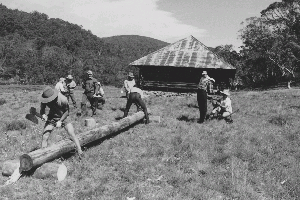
(191, 105)
(296, 107)
(186, 118)
(278, 120)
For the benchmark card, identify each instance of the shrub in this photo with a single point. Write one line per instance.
(16, 125)
(2, 101)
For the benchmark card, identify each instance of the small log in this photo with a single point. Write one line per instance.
(51, 170)
(41, 156)
(47, 170)
(91, 122)
(154, 119)
(10, 166)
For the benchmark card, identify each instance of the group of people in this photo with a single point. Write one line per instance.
(222, 107)
(57, 101)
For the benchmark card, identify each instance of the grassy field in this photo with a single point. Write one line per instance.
(256, 157)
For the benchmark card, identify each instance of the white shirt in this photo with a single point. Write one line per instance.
(129, 84)
(227, 104)
(60, 87)
(138, 90)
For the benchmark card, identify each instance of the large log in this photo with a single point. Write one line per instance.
(41, 156)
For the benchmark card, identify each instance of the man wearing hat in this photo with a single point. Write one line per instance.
(224, 108)
(60, 86)
(128, 84)
(202, 95)
(70, 83)
(57, 116)
(91, 88)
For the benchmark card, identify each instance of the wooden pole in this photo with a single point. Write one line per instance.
(41, 156)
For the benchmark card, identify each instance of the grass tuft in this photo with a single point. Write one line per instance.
(16, 125)
(278, 120)
(2, 101)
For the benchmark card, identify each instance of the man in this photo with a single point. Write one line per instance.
(60, 86)
(223, 108)
(128, 84)
(135, 96)
(202, 95)
(70, 89)
(91, 88)
(57, 116)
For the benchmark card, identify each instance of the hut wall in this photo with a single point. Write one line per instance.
(180, 78)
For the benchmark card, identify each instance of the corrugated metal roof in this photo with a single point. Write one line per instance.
(188, 52)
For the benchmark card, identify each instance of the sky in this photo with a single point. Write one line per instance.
(212, 22)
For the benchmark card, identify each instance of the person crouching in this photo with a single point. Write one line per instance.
(223, 108)
(57, 116)
(135, 96)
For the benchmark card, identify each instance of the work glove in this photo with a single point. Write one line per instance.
(44, 117)
(58, 124)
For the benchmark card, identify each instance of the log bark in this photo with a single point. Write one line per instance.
(41, 156)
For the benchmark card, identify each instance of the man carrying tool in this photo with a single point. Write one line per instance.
(70, 89)
(91, 88)
(57, 116)
(223, 108)
(135, 96)
(202, 95)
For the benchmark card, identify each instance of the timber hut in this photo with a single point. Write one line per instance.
(178, 67)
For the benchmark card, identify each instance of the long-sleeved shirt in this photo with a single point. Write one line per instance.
(90, 86)
(128, 85)
(226, 104)
(60, 87)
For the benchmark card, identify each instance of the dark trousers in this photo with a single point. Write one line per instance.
(72, 97)
(202, 104)
(93, 101)
(136, 99)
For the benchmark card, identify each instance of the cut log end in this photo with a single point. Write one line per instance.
(26, 162)
(90, 122)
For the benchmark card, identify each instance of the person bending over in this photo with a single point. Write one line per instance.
(57, 116)
(135, 96)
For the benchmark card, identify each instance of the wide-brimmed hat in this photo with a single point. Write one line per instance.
(69, 77)
(48, 95)
(89, 72)
(204, 72)
(226, 92)
(130, 74)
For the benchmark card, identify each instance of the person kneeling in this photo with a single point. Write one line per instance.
(135, 96)
(57, 116)
(223, 109)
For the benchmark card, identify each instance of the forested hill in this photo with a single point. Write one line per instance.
(36, 49)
